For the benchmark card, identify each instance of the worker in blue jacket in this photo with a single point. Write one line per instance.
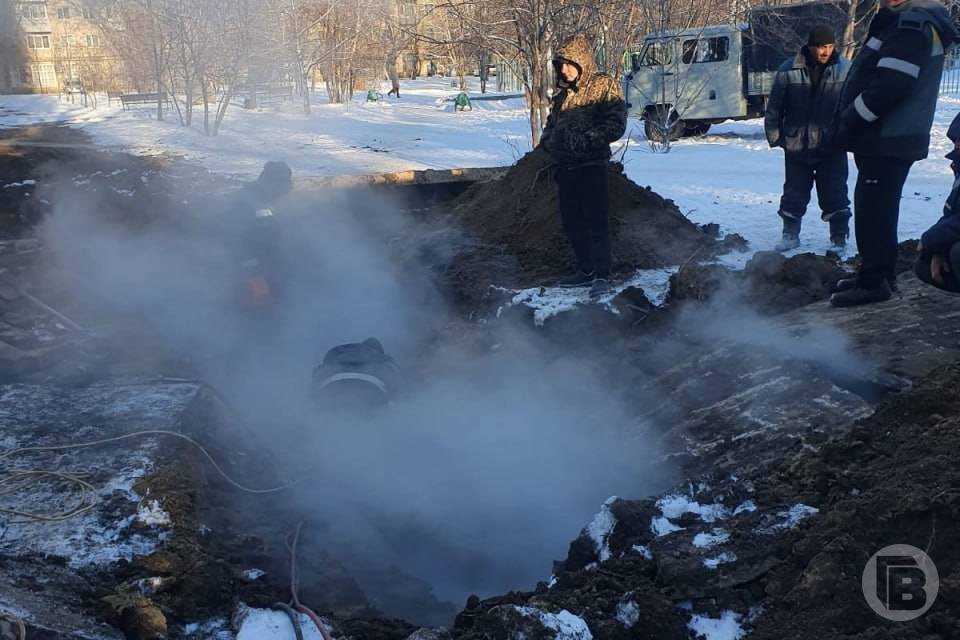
(939, 261)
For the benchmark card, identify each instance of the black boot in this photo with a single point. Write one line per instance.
(791, 234)
(839, 232)
(845, 284)
(860, 295)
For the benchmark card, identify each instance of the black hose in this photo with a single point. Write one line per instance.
(294, 618)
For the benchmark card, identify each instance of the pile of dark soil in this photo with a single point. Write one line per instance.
(771, 283)
(516, 239)
(889, 479)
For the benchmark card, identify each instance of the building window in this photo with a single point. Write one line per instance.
(38, 40)
(93, 41)
(68, 41)
(33, 11)
(87, 13)
(63, 13)
(108, 13)
(43, 76)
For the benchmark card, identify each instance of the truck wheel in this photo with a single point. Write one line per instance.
(658, 130)
(695, 129)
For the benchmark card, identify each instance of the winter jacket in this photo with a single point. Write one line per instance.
(800, 114)
(939, 238)
(586, 115)
(889, 99)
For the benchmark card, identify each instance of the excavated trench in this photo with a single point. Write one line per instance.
(739, 398)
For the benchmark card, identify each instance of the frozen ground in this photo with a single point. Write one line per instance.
(730, 176)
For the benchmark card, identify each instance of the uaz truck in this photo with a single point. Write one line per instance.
(681, 82)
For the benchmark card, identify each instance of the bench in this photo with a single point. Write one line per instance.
(128, 99)
(113, 95)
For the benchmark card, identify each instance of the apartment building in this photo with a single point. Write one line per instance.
(419, 57)
(55, 44)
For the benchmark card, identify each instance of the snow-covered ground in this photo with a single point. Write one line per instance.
(729, 176)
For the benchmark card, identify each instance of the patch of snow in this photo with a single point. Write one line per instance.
(266, 624)
(600, 529)
(84, 541)
(654, 282)
(253, 574)
(548, 302)
(643, 551)
(674, 506)
(214, 629)
(712, 539)
(564, 624)
(661, 527)
(790, 519)
(726, 627)
(22, 183)
(628, 614)
(151, 515)
(746, 507)
(713, 563)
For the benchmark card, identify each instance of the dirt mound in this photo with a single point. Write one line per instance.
(770, 283)
(516, 239)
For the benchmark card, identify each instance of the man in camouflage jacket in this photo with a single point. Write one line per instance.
(586, 115)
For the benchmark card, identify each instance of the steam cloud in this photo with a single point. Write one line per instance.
(474, 480)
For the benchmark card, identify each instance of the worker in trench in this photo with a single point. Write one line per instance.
(357, 376)
(939, 261)
(799, 118)
(587, 114)
(252, 233)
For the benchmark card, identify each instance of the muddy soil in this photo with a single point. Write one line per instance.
(774, 526)
(887, 479)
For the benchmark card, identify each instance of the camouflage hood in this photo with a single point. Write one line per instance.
(578, 52)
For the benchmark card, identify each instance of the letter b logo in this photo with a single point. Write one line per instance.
(900, 582)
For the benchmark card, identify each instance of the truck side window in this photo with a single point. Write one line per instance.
(706, 50)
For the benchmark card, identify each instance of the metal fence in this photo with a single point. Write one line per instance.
(950, 81)
(507, 80)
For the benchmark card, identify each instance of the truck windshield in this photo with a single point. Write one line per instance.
(654, 54)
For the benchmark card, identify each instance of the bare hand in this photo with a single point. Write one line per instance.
(939, 268)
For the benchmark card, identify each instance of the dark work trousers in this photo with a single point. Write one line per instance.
(583, 211)
(876, 208)
(829, 172)
(950, 281)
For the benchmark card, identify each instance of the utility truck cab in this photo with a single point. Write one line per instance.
(681, 82)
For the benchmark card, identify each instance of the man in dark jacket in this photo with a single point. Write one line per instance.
(939, 262)
(799, 117)
(587, 114)
(886, 111)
